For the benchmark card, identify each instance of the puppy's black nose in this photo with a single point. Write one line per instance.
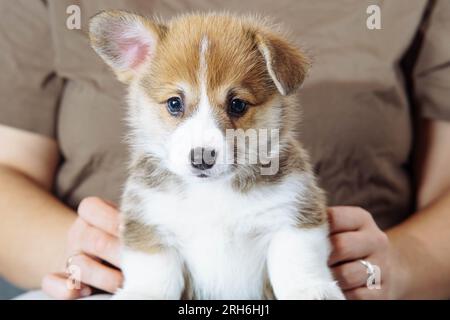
(203, 158)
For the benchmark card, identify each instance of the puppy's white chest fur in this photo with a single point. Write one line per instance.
(222, 235)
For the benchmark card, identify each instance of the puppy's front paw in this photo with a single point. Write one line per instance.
(317, 291)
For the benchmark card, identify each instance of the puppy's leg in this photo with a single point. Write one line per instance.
(151, 276)
(297, 264)
(151, 270)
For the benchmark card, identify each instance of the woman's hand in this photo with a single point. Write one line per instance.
(355, 236)
(92, 241)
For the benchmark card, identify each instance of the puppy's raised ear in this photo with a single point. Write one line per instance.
(287, 66)
(125, 41)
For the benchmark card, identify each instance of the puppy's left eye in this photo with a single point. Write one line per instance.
(237, 107)
(175, 106)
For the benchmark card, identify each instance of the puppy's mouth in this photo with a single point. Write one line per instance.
(204, 175)
(210, 174)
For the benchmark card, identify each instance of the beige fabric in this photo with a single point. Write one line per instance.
(358, 122)
(432, 74)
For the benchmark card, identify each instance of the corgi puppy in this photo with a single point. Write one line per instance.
(221, 201)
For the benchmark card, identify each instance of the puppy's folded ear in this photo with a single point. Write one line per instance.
(125, 41)
(287, 66)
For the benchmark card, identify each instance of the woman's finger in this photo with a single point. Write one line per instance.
(57, 286)
(100, 244)
(98, 275)
(100, 214)
(348, 246)
(364, 293)
(350, 275)
(344, 219)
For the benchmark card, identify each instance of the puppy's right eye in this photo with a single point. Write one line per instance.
(175, 106)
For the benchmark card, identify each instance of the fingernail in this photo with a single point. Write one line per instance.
(85, 292)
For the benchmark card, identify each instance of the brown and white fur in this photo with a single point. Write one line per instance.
(228, 232)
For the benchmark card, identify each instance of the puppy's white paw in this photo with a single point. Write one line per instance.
(317, 291)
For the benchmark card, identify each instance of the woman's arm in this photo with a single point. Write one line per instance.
(33, 224)
(423, 241)
(414, 257)
(38, 233)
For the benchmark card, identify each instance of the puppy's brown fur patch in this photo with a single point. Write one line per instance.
(140, 237)
(147, 171)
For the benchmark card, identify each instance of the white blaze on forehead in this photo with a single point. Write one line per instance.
(203, 117)
(203, 74)
(203, 65)
(204, 120)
